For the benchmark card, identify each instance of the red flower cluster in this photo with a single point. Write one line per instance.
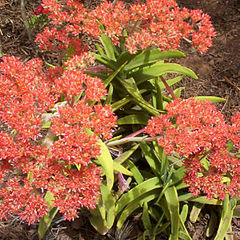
(156, 23)
(28, 170)
(197, 132)
(40, 10)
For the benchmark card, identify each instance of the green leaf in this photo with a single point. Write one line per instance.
(33, 20)
(108, 47)
(148, 57)
(196, 209)
(124, 57)
(213, 222)
(213, 99)
(49, 199)
(204, 200)
(100, 50)
(78, 166)
(134, 119)
(226, 218)
(184, 233)
(178, 91)
(158, 97)
(46, 221)
(106, 161)
(113, 75)
(178, 175)
(121, 103)
(146, 197)
(132, 89)
(109, 95)
(170, 82)
(146, 218)
(109, 205)
(105, 61)
(120, 168)
(150, 157)
(139, 190)
(184, 213)
(125, 155)
(173, 207)
(135, 171)
(158, 69)
(98, 221)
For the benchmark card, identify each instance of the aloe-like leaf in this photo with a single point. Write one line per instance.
(124, 156)
(146, 218)
(120, 168)
(178, 91)
(183, 234)
(150, 56)
(105, 61)
(138, 202)
(184, 213)
(173, 207)
(124, 57)
(135, 171)
(122, 102)
(204, 200)
(158, 97)
(134, 193)
(178, 175)
(100, 50)
(99, 224)
(134, 119)
(132, 89)
(196, 209)
(109, 95)
(113, 75)
(106, 161)
(150, 157)
(226, 218)
(158, 69)
(108, 47)
(213, 99)
(47, 125)
(109, 205)
(46, 221)
(213, 222)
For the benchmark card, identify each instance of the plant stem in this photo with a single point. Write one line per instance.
(136, 133)
(131, 139)
(168, 88)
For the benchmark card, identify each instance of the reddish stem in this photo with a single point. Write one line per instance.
(136, 133)
(168, 88)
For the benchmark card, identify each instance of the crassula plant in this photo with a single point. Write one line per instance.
(155, 23)
(197, 132)
(30, 171)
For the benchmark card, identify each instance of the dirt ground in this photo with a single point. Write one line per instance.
(219, 75)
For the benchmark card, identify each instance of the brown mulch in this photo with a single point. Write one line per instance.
(219, 75)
